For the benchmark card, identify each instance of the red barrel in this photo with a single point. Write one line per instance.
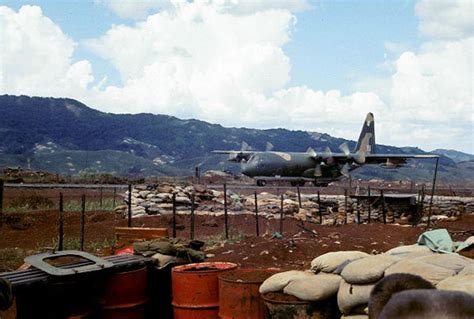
(195, 289)
(125, 295)
(239, 296)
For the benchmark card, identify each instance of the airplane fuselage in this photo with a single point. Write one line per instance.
(286, 164)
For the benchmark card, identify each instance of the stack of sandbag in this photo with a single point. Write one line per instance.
(302, 284)
(358, 278)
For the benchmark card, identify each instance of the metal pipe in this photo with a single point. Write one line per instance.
(256, 214)
(432, 191)
(130, 205)
(225, 213)
(61, 223)
(281, 214)
(192, 217)
(174, 215)
(83, 219)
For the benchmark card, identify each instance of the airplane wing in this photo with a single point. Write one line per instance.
(388, 160)
(393, 160)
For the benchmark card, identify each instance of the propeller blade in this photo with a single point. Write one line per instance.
(345, 148)
(360, 158)
(317, 171)
(345, 170)
(269, 147)
(311, 152)
(328, 156)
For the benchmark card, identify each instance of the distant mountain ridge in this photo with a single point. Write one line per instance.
(66, 136)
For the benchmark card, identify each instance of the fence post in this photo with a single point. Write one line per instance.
(83, 220)
(115, 193)
(345, 206)
(61, 222)
(432, 192)
(1, 199)
(192, 217)
(370, 205)
(319, 209)
(174, 215)
(299, 197)
(256, 214)
(384, 213)
(281, 215)
(225, 213)
(101, 195)
(129, 205)
(358, 211)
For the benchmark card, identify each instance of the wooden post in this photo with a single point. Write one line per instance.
(130, 205)
(320, 210)
(192, 217)
(384, 213)
(61, 223)
(299, 196)
(83, 219)
(345, 206)
(1, 199)
(174, 215)
(225, 213)
(100, 198)
(432, 192)
(256, 214)
(281, 215)
(115, 193)
(370, 205)
(358, 211)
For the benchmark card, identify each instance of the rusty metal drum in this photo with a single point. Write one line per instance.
(239, 296)
(195, 289)
(126, 295)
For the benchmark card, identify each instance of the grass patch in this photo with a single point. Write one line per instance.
(12, 258)
(31, 201)
(218, 240)
(76, 205)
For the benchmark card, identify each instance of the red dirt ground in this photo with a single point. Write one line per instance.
(295, 250)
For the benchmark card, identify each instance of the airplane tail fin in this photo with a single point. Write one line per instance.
(366, 142)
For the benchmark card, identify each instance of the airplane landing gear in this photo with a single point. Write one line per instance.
(261, 182)
(297, 183)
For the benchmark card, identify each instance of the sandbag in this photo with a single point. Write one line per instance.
(468, 270)
(429, 272)
(314, 287)
(450, 261)
(330, 261)
(463, 283)
(368, 270)
(279, 281)
(351, 296)
(409, 249)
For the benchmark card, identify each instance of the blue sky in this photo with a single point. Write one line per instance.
(317, 65)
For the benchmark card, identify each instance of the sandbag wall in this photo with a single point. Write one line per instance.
(350, 276)
(156, 199)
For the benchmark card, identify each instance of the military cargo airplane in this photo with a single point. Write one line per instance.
(318, 168)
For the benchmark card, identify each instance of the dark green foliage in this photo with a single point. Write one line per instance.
(67, 137)
(31, 201)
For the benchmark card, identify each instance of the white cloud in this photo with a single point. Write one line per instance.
(446, 19)
(223, 62)
(36, 56)
(129, 9)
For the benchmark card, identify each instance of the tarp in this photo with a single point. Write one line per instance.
(440, 241)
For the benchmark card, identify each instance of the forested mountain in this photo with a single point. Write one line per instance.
(68, 137)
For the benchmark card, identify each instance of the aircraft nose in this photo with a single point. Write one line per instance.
(248, 169)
